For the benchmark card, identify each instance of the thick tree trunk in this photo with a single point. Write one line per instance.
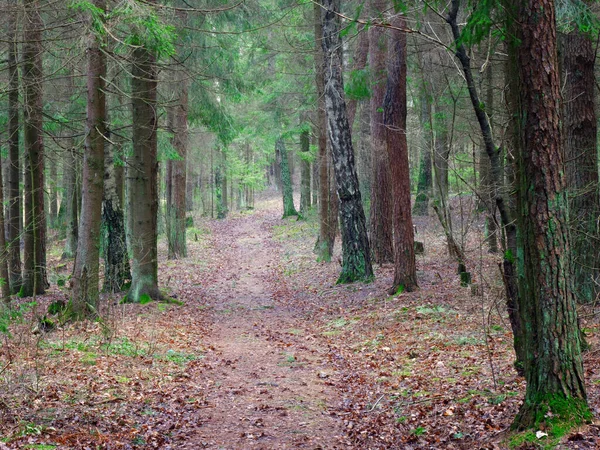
(305, 172)
(581, 161)
(553, 364)
(380, 216)
(324, 244)
(87, 261)
(34, 255)
(176, 212)
(405, 271)
(286, 180)
(356, 264)
(14, 169)
(142, 180)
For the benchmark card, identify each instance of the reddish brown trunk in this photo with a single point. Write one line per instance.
(380, 218)
(405, 271)
(553, 365)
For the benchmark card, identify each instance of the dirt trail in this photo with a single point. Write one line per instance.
(267, 383)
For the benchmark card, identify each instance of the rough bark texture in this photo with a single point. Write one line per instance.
(116, 259)
(176, 213)
(553, 365)
(356, 264)
(324, 244)
(286, 180)
(405, 270)
(87, 261)
(380, 214)
(34, 255)
(305, 172)
(14, 169)
(581, 161)
(142, 175)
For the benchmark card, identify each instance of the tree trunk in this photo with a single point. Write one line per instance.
(324, 244)
(34, 255)
(359, 63)
(14, 170)
(405, 271)
(87, 261)
(71, 201)
(116, 259)
(497, 177)
(581, 161)
(356, 264)
(380, 216)
(176, 212)
(425, 179)
(553, 365)
(486, 189)
(286, 180)
(305, 172)
(142, 180)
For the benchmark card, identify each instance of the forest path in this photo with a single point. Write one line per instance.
(267, 386)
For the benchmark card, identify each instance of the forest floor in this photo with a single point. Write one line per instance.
(261, 350)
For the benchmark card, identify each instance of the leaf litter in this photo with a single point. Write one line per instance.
(266, 352)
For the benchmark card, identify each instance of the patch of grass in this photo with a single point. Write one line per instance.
(433, 310)
(467, 340)
(124, 347)
(419, 431)
(179, 358)
(40, 446)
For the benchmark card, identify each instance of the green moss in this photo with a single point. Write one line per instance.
(145, 299)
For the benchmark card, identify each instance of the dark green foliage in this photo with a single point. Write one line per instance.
(358, 86)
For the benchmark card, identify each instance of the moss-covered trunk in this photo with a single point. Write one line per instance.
(356, 264)
(553, 364)
(142, 173)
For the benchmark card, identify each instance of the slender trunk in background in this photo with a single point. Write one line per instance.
(142, 180)
(359, 63)
(304, 172)
(441, 155)
(503, 204)
(87, 260)
(380, 216)
(70, 168)
(424, 180)
(356, 264)
(224, 183)
(34, 255)
(315, 173)
(553, 364)
(286, 180)
(53, 192)
(324, 244)
(405, 269)
(581, 160)
(486, 189)
(14, 169)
